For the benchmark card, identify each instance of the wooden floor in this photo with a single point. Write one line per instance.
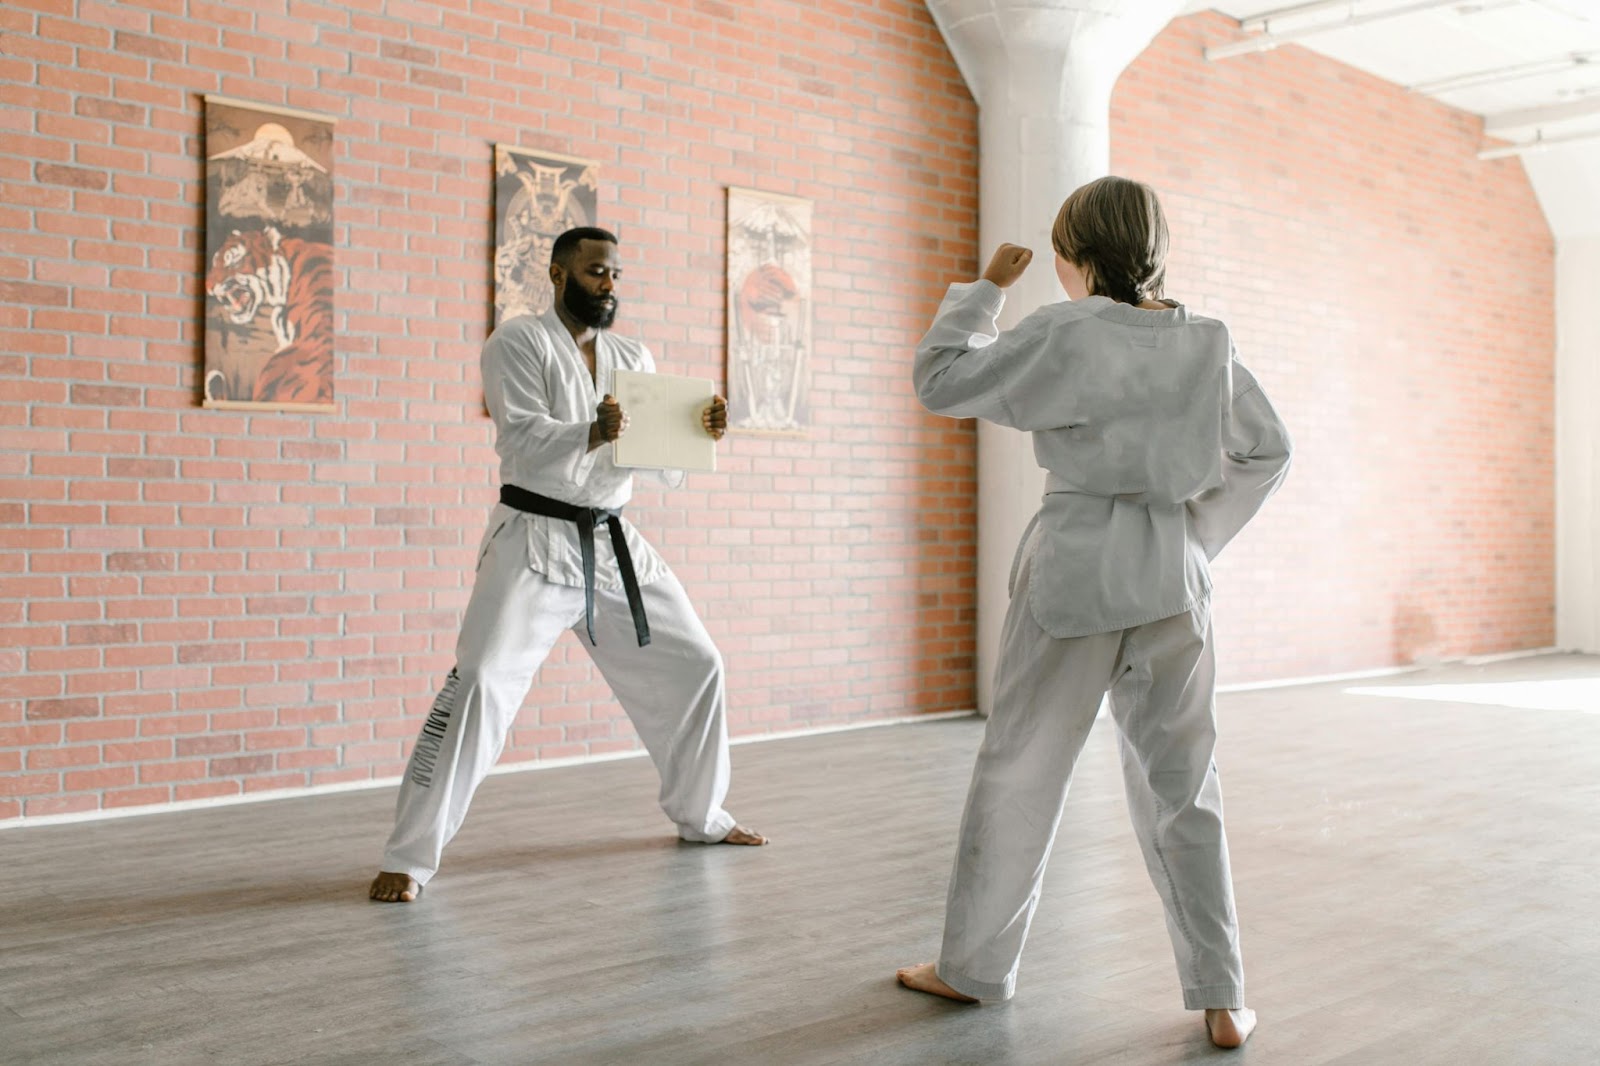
(1418, 881)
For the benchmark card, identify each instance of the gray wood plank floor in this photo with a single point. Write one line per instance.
(1418, 881)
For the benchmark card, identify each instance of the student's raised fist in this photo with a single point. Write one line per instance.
(1009, 261)
(610, 420)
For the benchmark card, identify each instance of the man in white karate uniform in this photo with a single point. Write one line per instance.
(542, 569)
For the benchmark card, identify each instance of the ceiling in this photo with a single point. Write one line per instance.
(1530, 68)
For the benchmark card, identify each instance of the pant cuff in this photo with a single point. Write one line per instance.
(986, 991)
(715, 831)
(417, 873)
(1214, 997)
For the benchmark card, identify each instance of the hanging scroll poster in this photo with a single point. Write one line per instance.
(269, 258)
(769, 312)
(537, 197)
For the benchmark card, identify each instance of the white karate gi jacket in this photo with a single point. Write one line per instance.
(1158, 444)
(542, 400)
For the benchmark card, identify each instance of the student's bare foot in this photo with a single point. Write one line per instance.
(925, 978)
(394, 888)
(1230, 1028)
(748, 837)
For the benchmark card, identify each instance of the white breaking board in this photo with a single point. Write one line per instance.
(665, 431)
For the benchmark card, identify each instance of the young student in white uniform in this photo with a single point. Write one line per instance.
(558, 555)
(1159, 446)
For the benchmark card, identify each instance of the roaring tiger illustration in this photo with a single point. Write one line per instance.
(261, 270)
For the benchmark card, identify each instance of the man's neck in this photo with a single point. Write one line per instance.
(582, 335)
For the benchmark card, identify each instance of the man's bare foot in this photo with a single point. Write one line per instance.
(740, 835)
(925, 978)
(1230, 1028)
(394, 888)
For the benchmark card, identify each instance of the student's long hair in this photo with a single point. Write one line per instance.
(1114, 231)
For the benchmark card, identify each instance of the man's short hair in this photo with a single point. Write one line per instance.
(566, 245)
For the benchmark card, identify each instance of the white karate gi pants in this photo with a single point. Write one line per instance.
(672, 689)
(1047, 693)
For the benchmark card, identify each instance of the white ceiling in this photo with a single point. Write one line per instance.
(1557, 40)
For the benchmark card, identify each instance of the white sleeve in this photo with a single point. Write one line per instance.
(1255, 460)
(514, 390)
(956, 371)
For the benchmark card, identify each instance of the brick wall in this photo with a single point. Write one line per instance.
(1395, 295)
(197, 603)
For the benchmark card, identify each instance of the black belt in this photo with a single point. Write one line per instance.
(586, 518)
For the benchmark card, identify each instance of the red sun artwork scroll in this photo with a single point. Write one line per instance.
(769, 312)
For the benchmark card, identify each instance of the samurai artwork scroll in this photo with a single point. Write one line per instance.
(537, 197)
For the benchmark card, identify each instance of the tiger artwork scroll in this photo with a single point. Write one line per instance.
(269, 258)
(537, 197)
(769, 313)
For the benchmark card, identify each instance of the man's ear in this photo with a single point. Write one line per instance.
(556, 274)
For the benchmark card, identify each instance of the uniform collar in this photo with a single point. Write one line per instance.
(1107, 308)
(563, 339)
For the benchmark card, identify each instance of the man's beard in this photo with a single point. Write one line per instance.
(597, 312)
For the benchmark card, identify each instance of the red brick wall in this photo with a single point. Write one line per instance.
(197, 603)
(1395, 295)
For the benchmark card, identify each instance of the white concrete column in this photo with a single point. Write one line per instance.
(1567, 183)
(1578, 442)
(1041, 72)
